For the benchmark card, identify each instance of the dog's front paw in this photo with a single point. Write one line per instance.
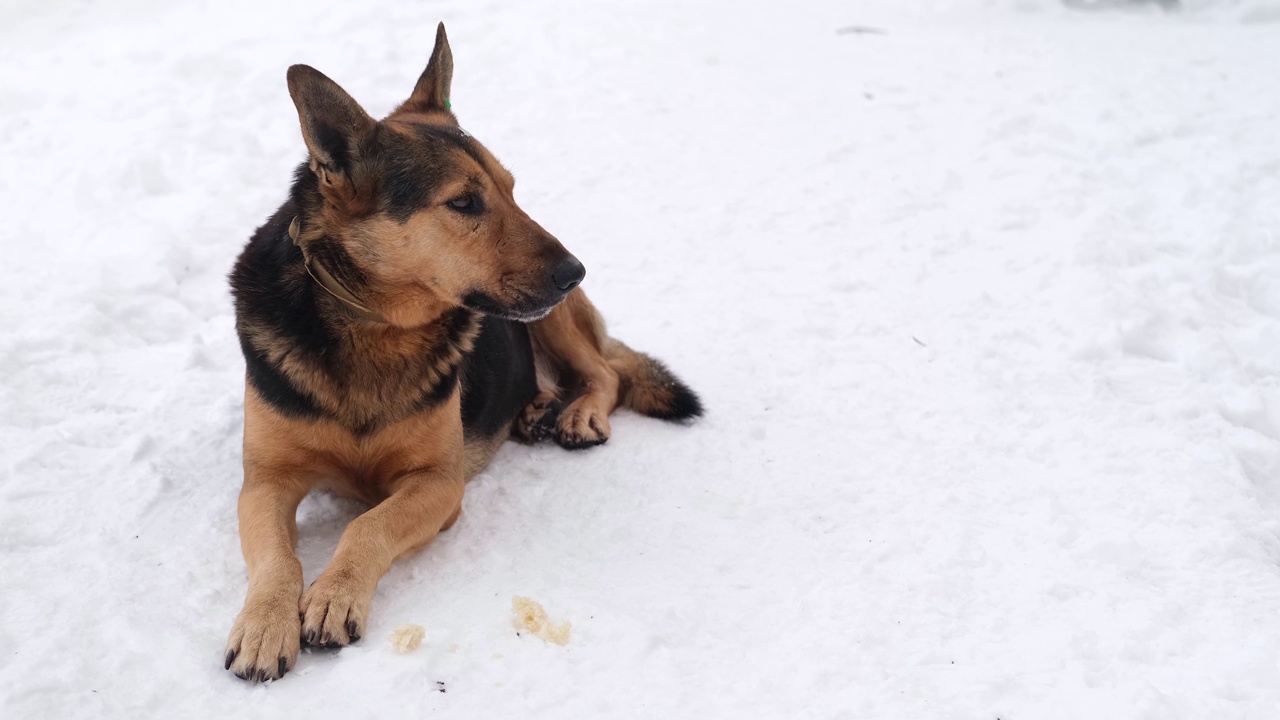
(335, 610)
(581, 426)
(263, 644)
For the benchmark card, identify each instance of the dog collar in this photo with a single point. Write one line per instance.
(328, 282)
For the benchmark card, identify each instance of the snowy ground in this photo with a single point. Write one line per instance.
(982, 297)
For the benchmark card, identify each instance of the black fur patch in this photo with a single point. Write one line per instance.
(270, 294)
(441, 391)
(408, 184)
(684, 405)
(415, 167)
(450, 137)
(279, 306)
(333, 142)
(274, 387)
(525, 312)
(498, 378)
(484, 303)
(460, 323)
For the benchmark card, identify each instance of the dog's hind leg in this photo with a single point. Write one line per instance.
(575, 355)
(571, 341)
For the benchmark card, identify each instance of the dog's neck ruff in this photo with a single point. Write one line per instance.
(328, 282)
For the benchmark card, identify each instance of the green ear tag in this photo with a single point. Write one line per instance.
(448, 105)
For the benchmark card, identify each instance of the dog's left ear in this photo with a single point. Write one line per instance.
(431, 94)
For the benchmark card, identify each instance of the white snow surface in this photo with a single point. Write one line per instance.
(981, 297)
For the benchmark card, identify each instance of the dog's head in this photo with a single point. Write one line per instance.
(424, 213)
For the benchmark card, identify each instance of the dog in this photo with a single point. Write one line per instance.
(401, 317)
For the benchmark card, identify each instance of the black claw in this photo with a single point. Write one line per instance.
(546, 425)
(353, 631)
(243, 674)
(281, 668)
(578, 442)
(309, 638)
(231, 657)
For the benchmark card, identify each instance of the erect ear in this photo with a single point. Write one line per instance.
(334, 126)
(431, 94)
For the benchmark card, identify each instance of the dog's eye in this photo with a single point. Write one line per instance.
(466, 203)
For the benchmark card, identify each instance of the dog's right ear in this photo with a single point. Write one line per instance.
(333, 126)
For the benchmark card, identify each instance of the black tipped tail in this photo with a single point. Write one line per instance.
(671, 399)
(649, 388)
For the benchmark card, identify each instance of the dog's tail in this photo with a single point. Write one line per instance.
(647, 386)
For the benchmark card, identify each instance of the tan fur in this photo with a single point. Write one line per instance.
(381, 419)
(497, 253)
(379, 354)
(412, 472)
(646, 386)
(571, 340)
(436, 256)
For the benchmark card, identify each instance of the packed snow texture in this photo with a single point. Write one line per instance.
(981, 296)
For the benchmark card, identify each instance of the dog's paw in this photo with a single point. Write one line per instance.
(264, 640)
(335, 610)
(538, 420)
(581, 426)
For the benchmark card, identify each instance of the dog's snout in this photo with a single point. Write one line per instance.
(568, 274)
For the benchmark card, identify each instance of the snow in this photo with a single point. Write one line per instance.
(983, 306)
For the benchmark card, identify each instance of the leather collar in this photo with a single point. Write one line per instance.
(326, 280)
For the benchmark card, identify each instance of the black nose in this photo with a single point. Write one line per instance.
(568, 274)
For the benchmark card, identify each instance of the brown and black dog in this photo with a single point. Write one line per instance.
(400, 317)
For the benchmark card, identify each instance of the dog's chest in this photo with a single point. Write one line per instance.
(381, 378)
(368, 467)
